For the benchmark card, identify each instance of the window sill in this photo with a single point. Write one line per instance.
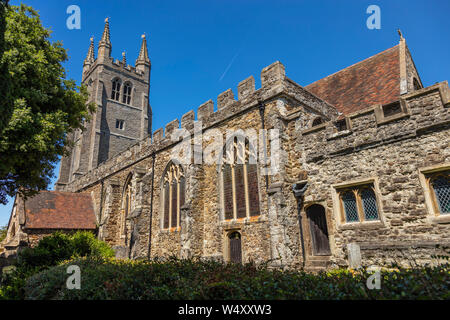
(393, 117)
(245, 220)
(124, 104)
(315, 128)
(339, 134)
(441, 219)
(366, 225)
(171, 230)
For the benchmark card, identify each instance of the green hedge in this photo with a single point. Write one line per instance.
(50, 251)
(195, 279)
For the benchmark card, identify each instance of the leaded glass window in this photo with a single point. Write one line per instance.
(240, 179)
(349, 201)
(441, 187)
(173, 189)
(369, 203)
(359, 203)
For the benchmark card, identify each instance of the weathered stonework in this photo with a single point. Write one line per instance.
(387, 150)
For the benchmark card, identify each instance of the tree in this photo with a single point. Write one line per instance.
(39, 106)
(3, 231)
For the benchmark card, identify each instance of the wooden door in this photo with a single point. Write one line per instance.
(235, 247)
(318, 229)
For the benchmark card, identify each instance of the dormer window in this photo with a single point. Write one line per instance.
(317, 121)
(416, 84)
(126, 98)
(115, 93)
(392, 109)
(341, 125)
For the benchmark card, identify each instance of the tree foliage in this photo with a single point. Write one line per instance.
(38, 105)
(3, 231)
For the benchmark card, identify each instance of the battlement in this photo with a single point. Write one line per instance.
(273, 83)
(413, 114)
(116, 64)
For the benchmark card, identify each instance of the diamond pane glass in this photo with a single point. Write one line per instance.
(441, 186)
(369, 203)
(349, 200)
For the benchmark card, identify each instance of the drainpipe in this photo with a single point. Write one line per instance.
(262, 109)
(151, 207)
(299, 190)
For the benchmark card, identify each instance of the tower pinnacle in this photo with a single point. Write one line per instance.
(143, 53)
(104, 46)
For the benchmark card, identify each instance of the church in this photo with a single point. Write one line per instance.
(353, 169)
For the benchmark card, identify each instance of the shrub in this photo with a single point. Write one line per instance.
(197, 279)
(85, 244)
(50, 251)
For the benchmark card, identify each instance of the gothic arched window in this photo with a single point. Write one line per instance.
(173, 189)
(240, 192)
(115, 92)
(126, 98)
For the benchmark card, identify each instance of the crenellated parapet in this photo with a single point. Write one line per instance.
(413, 114)
(274, 84)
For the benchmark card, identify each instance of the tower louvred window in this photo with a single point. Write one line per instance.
(115, 93)
(126, 93)
(240, 191)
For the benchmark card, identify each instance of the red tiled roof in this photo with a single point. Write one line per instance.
(60, 210)
(375, 80)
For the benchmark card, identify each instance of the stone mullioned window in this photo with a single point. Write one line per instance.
(174, 185)
(239, 181)
(358, 203)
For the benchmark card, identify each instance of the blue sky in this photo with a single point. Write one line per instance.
(201, 48)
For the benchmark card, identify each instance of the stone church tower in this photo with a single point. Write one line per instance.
(123, 115)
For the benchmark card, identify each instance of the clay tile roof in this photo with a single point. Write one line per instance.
(375, 80)
(60, 210)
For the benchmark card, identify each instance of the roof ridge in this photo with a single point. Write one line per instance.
(353, 65)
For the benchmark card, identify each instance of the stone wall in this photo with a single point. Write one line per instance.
(391, 151)
(388, 149)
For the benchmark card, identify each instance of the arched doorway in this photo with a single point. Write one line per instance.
(318, 229)
(235, 247)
